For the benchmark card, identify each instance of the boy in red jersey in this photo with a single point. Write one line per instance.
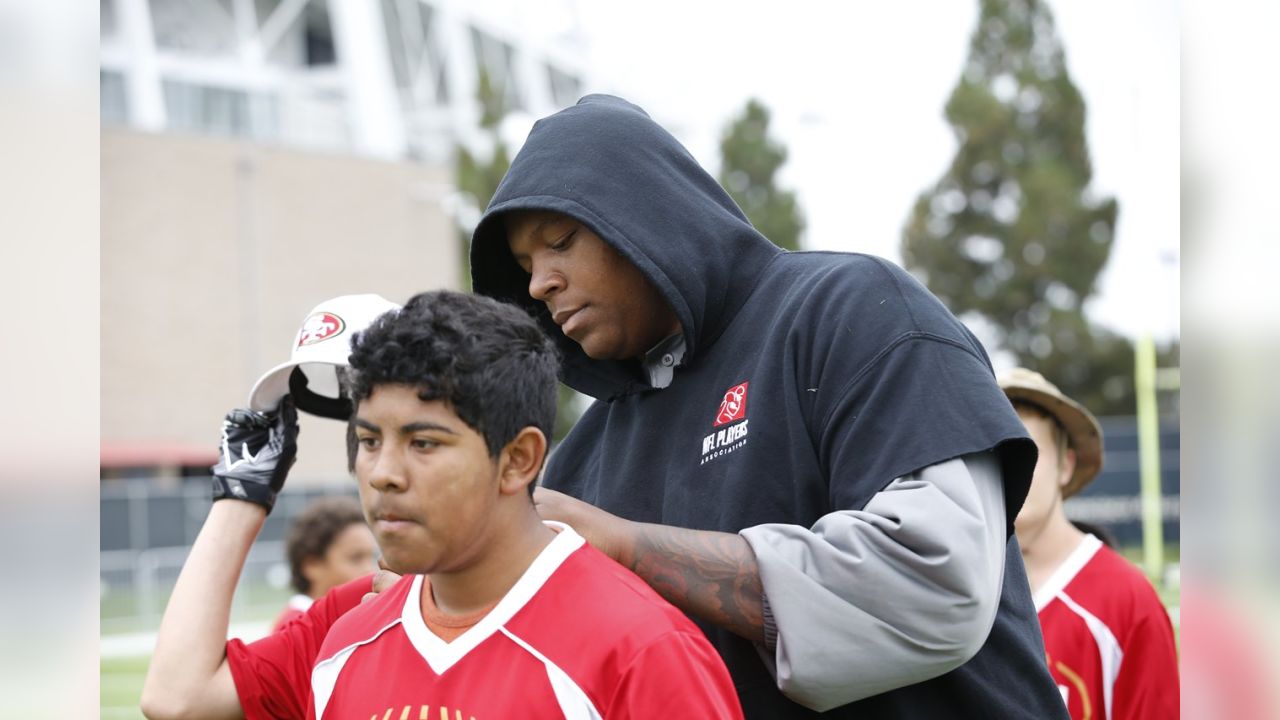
(498, 614)
(329, 544)
(1108, 640)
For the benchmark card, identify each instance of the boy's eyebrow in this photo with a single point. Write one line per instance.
(414, 427)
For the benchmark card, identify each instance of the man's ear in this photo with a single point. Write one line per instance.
(520, 460)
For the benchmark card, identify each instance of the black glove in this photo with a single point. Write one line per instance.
(256, 453)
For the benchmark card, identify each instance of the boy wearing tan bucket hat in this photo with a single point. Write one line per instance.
(1108, 640)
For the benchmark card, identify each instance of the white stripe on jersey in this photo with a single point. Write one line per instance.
(1108, 648)
(573, 700)
(1067, 571)
(325, 674)
(1055, 588)
(441, 655)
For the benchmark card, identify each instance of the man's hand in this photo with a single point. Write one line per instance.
(256, 453)
(607, 533)
(712, 575)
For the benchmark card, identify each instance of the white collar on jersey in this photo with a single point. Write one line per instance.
(441, 655)
(1067, 571)
(300, 602)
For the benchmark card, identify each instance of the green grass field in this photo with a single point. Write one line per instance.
(122, 676)
(122, 686)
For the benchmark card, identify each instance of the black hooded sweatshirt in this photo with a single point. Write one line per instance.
(810, 381)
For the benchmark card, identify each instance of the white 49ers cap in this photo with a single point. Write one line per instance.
(320, 348)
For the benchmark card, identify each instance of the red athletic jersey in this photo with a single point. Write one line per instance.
(578, 636)
(1107, 638)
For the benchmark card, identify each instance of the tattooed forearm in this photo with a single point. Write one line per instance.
(711, 575)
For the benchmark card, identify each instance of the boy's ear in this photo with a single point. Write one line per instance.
(520, 460)
(1067, 468)
(310, 566)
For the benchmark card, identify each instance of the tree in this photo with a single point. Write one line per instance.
(478, 179)
(1011, 232)
(749, 161)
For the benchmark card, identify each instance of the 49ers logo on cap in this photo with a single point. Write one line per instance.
(318, 327)
(734, 405)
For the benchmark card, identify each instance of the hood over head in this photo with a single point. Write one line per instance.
(608, 165)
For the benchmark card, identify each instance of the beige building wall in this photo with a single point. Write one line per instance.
(214, 250)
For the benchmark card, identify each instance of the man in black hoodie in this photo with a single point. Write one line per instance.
(806, 452)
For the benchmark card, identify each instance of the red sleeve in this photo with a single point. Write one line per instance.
(1147, 685)
(273, 675)
(679, 675)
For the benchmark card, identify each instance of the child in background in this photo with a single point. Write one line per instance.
(329, 544)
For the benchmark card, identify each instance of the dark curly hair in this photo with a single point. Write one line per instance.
(488, 360)
(314, 530)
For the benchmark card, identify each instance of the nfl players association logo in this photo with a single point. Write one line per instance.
(731, 419)
(318, 327)
(734, 405)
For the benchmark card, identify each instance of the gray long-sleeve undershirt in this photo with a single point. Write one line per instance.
(899, 592)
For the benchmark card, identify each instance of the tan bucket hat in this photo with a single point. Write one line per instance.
(1084, 434)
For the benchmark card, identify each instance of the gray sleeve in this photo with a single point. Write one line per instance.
(902, 591)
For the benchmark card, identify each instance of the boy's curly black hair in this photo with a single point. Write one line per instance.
(488, 360)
